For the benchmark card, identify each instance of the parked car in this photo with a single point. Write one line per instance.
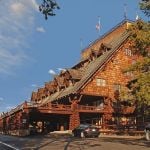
(86, 130)
(147, 132)
(32, 130)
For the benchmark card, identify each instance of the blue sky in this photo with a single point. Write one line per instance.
(31, 46)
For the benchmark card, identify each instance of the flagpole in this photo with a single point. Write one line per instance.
(125, 11)
(81, 43)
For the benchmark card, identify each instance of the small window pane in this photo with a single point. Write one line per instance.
(117, 87)
(101, 82)
(128, 52)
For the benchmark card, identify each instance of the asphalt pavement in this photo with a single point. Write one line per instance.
(65, 142)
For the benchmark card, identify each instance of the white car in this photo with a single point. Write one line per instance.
(147, 132)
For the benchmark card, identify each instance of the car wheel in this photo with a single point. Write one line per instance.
(82, 135)
(96, 136)
(147, 135)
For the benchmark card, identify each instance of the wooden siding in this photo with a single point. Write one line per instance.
(112, 73)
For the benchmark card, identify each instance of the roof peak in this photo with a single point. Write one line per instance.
(109, 31)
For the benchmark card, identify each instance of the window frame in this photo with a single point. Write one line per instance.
(101, 82)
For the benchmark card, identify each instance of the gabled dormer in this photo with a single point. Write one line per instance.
(41, 94)
(34, 96)
(51, 87)
(72, 76)
(61, 84)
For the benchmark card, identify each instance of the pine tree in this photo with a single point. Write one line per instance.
(145, 7)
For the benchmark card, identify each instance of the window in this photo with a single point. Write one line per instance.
(128, 52)
(129, 74)
(100, 82)
(117, 87)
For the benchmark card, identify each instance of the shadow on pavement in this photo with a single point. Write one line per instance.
(138, 142)
(80, 143)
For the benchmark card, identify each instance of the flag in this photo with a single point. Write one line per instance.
(137, 17)
(98, 25)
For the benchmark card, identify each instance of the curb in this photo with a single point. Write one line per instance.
(122, 137)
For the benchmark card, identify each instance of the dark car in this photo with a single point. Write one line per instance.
(32, 130)
(86, 130)
(147, 131)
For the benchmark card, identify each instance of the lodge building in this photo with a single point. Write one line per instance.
(88, 92)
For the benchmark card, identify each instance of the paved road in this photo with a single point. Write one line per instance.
(4, 146)
(48, 142)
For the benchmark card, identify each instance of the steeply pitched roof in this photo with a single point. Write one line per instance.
(60, 80)
(91, 68)
(75, 74)
(125, 21)
(100, 61)
(34, 95)
(51, 86)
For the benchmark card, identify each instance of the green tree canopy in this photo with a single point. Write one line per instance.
(139, 87)
(48, 7)
(145, 7)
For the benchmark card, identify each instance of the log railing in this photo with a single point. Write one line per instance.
(79, 108)
(60, 107)
(55, 108)
(82, 108)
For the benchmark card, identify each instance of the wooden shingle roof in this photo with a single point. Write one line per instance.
(34, 95)
(50, 85)
(60, 80)
(75, 74)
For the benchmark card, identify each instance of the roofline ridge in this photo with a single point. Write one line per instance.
(106, 58)
(106, 33)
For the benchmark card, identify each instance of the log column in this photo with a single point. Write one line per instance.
(74, 117)
(108, 111)
(7, 124)
(19, 120)
(4, 125)
(74, 120)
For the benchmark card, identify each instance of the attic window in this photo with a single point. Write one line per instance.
(128, 52)
(100, 82)
(129, 73)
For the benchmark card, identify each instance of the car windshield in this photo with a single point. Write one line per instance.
(82, 126)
